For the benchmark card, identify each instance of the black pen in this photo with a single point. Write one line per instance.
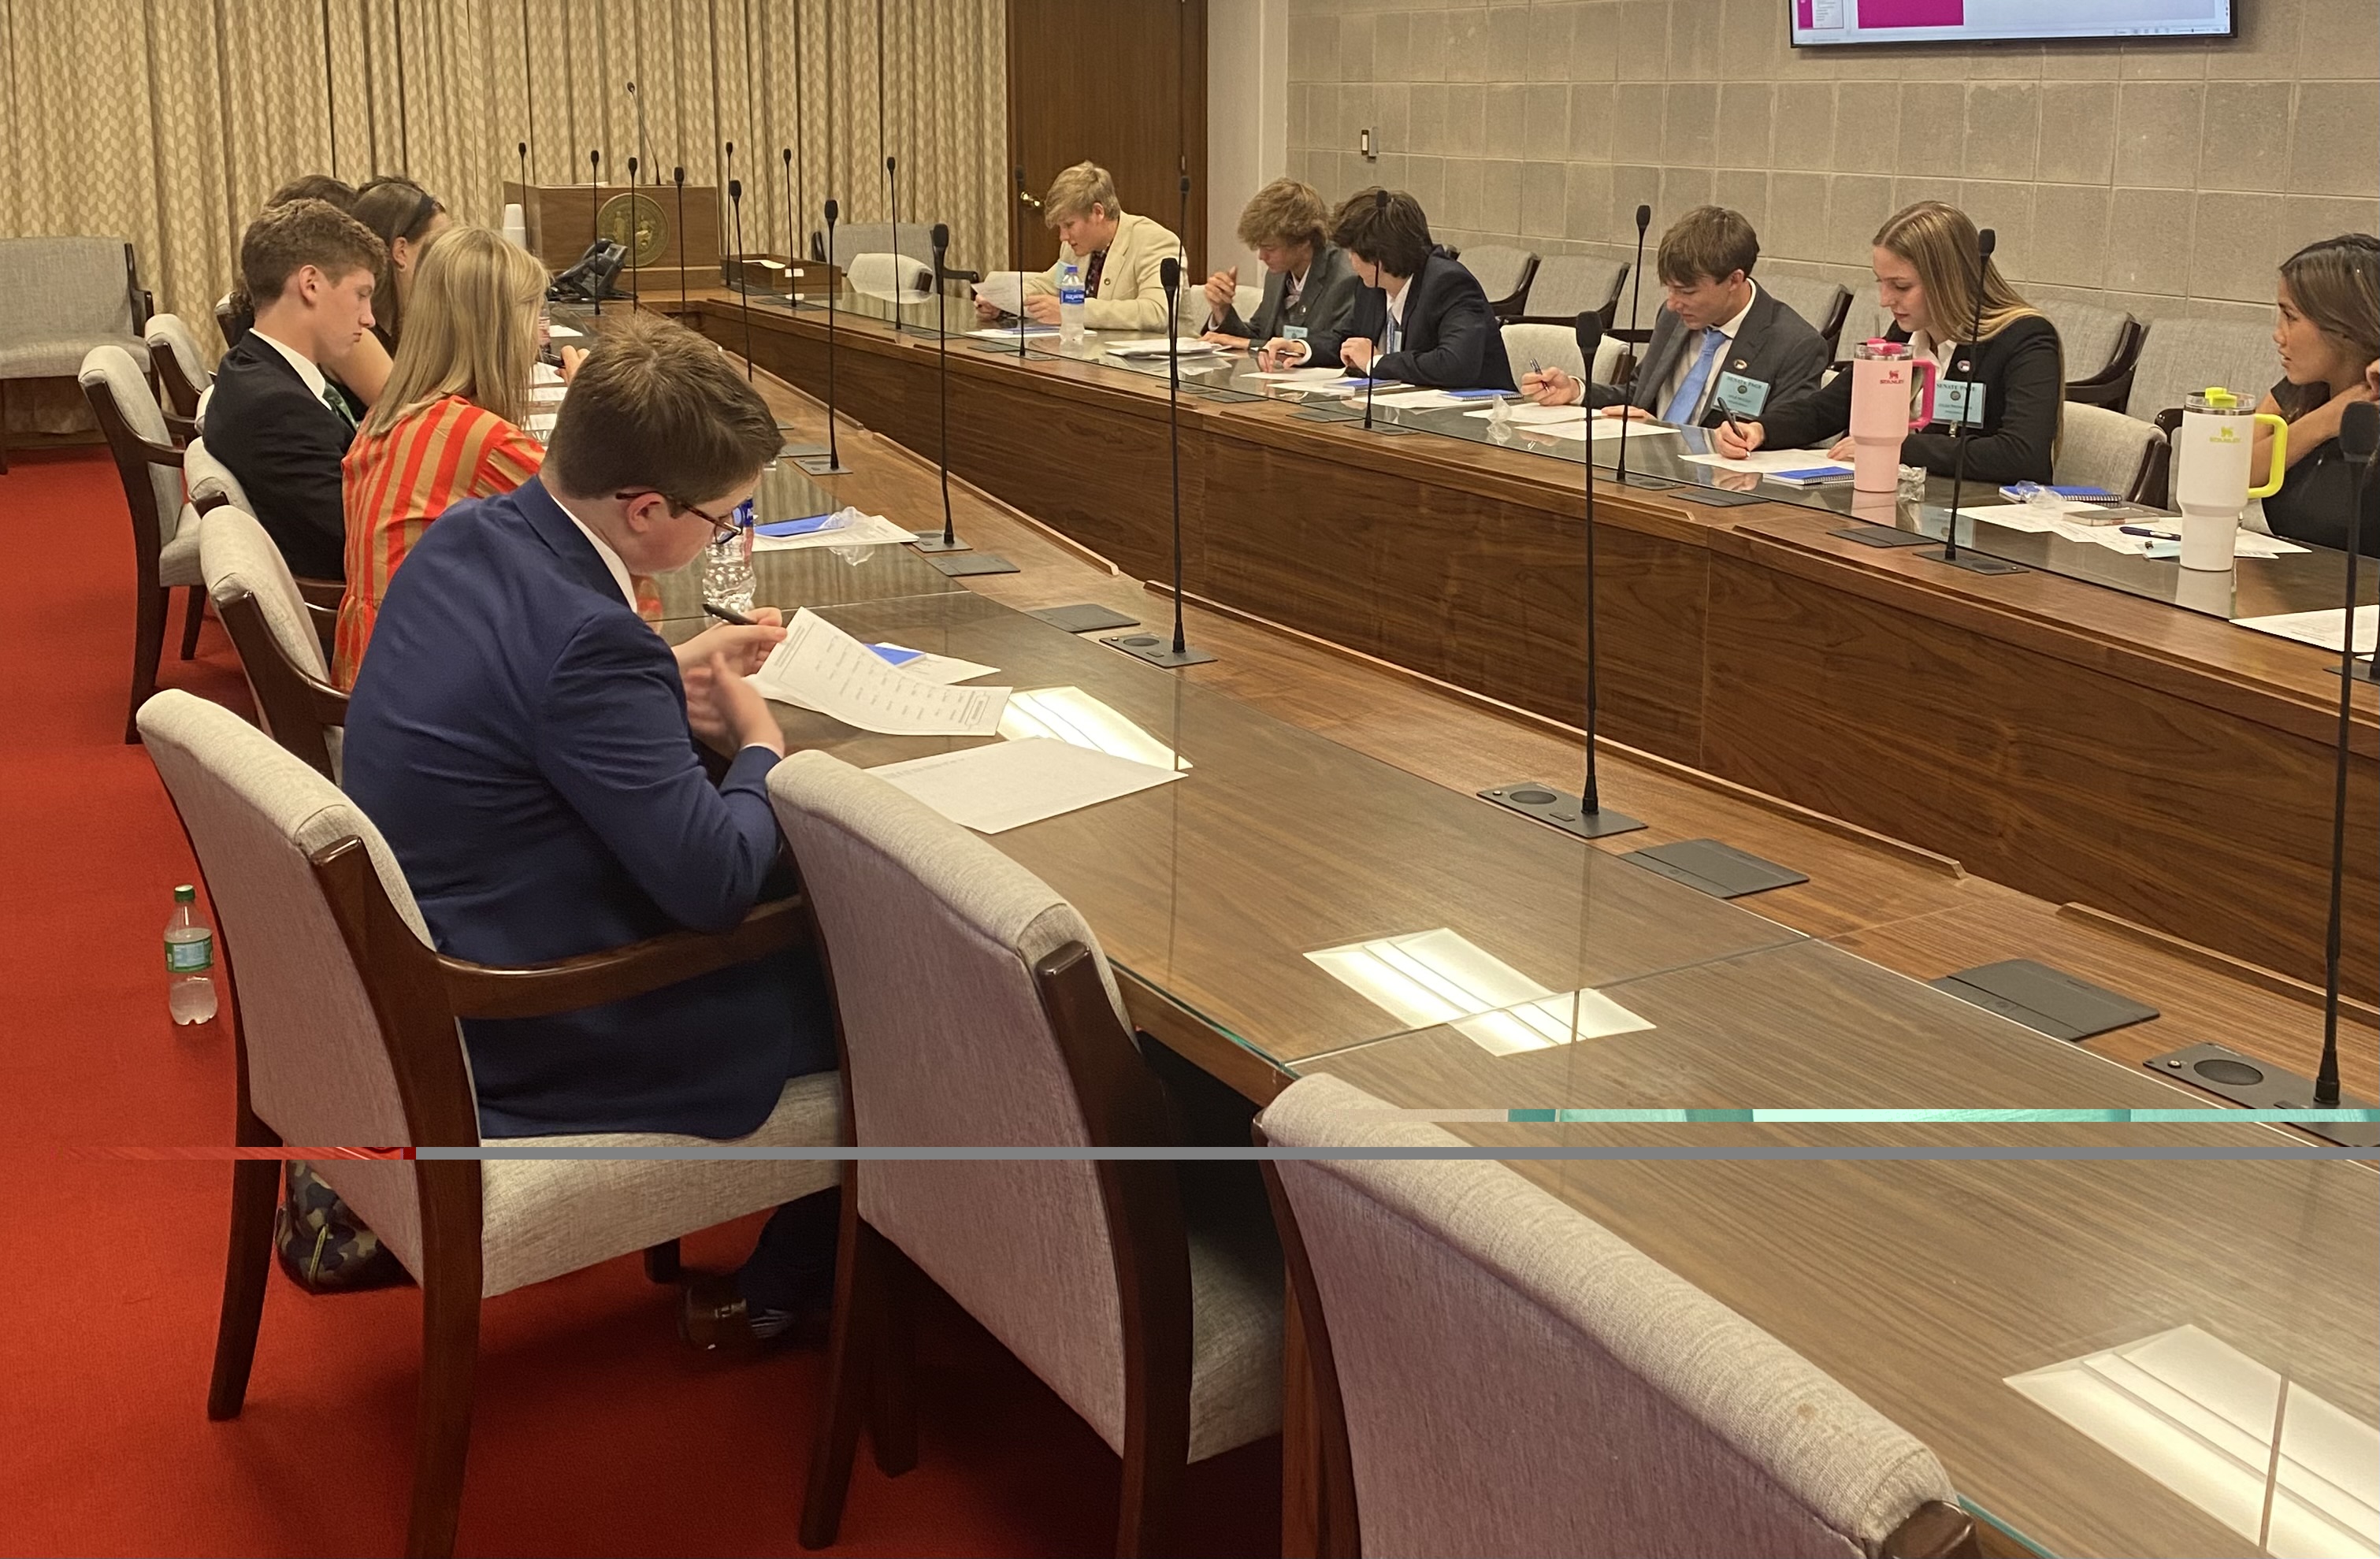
(728, 614)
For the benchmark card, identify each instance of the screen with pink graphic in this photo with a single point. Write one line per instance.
(1818, 23)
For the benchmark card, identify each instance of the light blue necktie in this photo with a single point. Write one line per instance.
(1689, 393)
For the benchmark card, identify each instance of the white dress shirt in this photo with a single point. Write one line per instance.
(1693, 348)
(305, 367)
(611, 559)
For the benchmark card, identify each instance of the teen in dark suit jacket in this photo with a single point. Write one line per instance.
(1420, 317)
(275, 421)
(1308, 287)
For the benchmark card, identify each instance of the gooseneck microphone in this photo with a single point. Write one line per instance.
(893, 193)
(636, 283)
(830, 463)
(643, 151)
(2359, 440)
(1986, 241)
(595, 219)
(792, 253)
(743, 272)
(1371, 368)
(677, 176)
(941, 239)
(1147, 646)
(1017, 256)
(1636, 301)
(524, 167)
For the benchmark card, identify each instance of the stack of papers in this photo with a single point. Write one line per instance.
(1157, 347)
(1527, 414)
(865, 531)
(821, 667)
(1009, 784)
(2320, 628)
(2040, 519)
(1302, 376)
(1004, 290)
(1765, 462)
(1597, 428)
(1419, 400)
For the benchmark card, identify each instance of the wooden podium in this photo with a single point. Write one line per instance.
(562, 219)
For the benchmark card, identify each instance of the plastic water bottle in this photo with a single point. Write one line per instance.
(189, 954)
(727, 565)
(1070, 306)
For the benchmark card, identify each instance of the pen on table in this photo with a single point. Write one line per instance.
(2152, 534)
(727, 615)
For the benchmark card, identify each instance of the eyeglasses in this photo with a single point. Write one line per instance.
(722, 528)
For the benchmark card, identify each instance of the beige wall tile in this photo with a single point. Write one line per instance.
(1797, 216)
(1508, 120)
(1499, 210)
(2007, 208)
(2336, 149)
(2307, 219)
(2080, 62)
(1640, 39)
(2157, 133)
(1466, 120)
(1595, 44)
(1856, 206)
(2267, 49)
(1392, 118)
(1550, 27)
(1590, 121)
(2164, 61)
(2003, 130)
(1355, 35)
(1507, 44)
(1392, 47)
(2340, 39)
(1931, 130)
(1744, 190)
(1689, 124)
(1746, 112)
(1426, 46)
(1587, 200)
(1545, 195)
(2238, 249)
(2246, 135)
(1634, 185)
(1752, 41)
(1636, 121)
(1806, 125)
(1696, 39)
(1466, 45)
(2078, 133)
(1460, 201)
(1426, 118)
(2005, 62)
(2149, 239)
(2070, 236)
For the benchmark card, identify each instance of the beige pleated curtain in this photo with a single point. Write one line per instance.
(168, 122)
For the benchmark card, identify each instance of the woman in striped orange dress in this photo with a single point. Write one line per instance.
(448, 426)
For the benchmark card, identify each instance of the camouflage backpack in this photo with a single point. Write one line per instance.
(323, 1247)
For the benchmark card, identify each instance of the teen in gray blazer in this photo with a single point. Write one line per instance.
(1307, 287)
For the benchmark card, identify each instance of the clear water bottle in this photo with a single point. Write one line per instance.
(189, 954)
(727, 565)
(1070, 306)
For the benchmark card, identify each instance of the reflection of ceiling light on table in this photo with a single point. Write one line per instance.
(1069, 714)
(2197, 1415)
(1439, 976)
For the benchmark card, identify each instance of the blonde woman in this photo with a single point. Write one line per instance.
(448, 426)
(1925, 262)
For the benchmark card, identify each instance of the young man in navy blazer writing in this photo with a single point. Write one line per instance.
(1420, 318)
(527, 743)
(1721, 344)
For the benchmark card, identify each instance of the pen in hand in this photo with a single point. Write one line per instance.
(727, 615)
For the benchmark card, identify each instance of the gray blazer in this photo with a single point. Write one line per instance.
(1324, 306)
(1774, 345)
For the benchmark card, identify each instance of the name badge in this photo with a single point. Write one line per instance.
(1294, 332)
(1739, 394)
(1959, 402)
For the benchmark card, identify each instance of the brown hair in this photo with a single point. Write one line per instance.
(656, 406)
(2336, 283)
(394, 207)
(316, 187)
(1287, 211)
(474, 330)
(284, 238)
(1707, 243)
(1076, 191)
(1386, 228)
(1940, 242)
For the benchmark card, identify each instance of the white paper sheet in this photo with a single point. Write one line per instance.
(1527, 414)
(564, 332)
(544, 374)
(1420, 400)
(1009, 332)
(868, 531)
(1605, 429)
(945, 670)
(1154, 347)
(1070, 714)
(1764, 461)
(541, 421)
(1006, 785)
(1004, 290)
(821, 667)
(2319, 629)
(2044, 520)
(1301, 376)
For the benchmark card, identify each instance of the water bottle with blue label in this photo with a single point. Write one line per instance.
(727, 565)
(1070, 306)
(189, 958)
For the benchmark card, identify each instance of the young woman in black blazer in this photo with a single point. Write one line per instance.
(1925, 260)
(2328, 332)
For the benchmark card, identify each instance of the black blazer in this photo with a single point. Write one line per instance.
(1324, 306)
(285, 447)
(1774, 345)
(2313, 504)
(2022, 372)
(1449, 338)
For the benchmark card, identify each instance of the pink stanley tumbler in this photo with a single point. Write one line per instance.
(1882, 388)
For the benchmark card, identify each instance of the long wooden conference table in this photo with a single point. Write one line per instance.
(2072, 740)
(1924, 1283)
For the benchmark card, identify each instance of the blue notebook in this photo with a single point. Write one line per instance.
(1812, 476)
(808, 526)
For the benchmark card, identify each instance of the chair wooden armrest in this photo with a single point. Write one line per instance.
(183, 428)
(1933, 1530)
(327, 631)
(616, 973)
(323, 593)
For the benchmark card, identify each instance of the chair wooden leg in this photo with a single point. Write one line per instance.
(147, 644)
(661, 1263)
(451, 1278)
(255, 1185)
(194, 611)
(1147, 1521)
(892, 1418)
(4, 427)
(857, 1300)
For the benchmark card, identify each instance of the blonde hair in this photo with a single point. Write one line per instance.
(1076, 192)
(1939, 240)
(1287, 211)
(471, 332)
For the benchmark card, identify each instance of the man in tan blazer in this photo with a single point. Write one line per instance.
(1118, 254)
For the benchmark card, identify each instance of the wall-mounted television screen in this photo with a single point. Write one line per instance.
(1820, 22)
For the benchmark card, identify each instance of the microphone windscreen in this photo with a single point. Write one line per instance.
(832, 212)
(1986, 241)
(632, 165)
(1169, 273)
(888, 164)
(1643, 217)
(1379, 200)
(734, 189)
(524, 148)
(678, 175)
(941, 236)
(2359, 431)
(1590, 336)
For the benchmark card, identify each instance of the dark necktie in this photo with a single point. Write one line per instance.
(338, 405)
(1091, 276)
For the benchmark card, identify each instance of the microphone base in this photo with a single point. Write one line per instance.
(2047, 1000)
(1559, 808)
(1719, 870)
(1157, 649)
(1974, 562)
(821, 464)
(1649, 483)
(2259, 1085)
(931, 541)
(959, 565)
(1885, 536)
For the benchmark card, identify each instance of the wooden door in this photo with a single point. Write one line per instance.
(1122, 83)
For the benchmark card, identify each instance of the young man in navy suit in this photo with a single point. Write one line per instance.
(527, 743)
(276, 421)
(1420, 317)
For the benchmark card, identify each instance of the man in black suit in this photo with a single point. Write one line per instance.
(1722, 345)
(1307, 285)
(1421, 317)
(276, 421)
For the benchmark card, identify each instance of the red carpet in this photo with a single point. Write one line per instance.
(596, 1432)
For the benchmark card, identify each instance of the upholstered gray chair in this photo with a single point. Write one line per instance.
(1497, 1373)
(1823, 305)
(977, 1009)
(210, 482)
(2098, 447)
(282, 639)
(1246, 300)
(2101, 349)
(916, 240)
(164, 554)
(1504, 273)
(181, 367)
(65, 296)
(1556, 345)
(347, 1038)
(1567, 285)
(2182, 357)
